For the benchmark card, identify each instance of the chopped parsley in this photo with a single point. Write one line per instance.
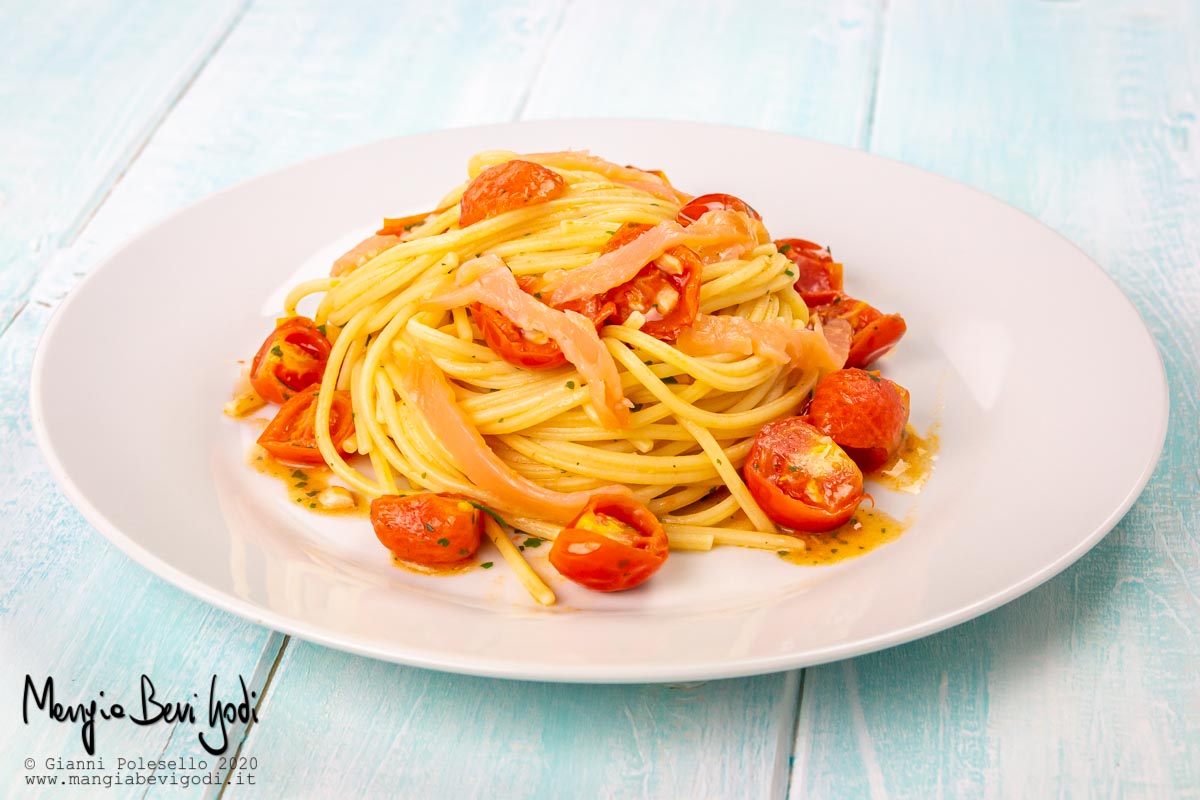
(444, 542)
(570, 384)
(785, 248)
(462, 551)
(789, 273)
(533, 541)
(873, 377)
(429, 529)
(488, 511)
(299, 473)
(275, 351)
(321, 329)
(313, 493)
(486, 565)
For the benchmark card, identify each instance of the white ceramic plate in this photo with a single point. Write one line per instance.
(1048, 390)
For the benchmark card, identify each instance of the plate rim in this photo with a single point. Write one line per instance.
(493, 667)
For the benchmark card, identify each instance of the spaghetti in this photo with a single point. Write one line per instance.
(637, 406)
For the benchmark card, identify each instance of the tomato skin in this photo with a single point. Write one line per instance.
(699, 206)
(818, 276)
(508, 341)
(801, 478)
(291, 435)
(863, 412)
(656, 285)
(507, 187)
(873, 333)
(436, 530)
(291, 359)
(606, 564)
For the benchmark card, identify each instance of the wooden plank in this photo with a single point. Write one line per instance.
(1084, 115)
(386, 730)
(83, 85)
(390, 730)
(75, 609)
(797, 68)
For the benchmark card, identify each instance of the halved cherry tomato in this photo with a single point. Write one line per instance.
(801, 478)
(506, 187)
(873, 333)
(818, 276)
(436, 530)
(615, 543)
(863, 412)
(290, 360)
(513, 343)
(292, 434)
(699, 206)
(523, 348)
(666, 291)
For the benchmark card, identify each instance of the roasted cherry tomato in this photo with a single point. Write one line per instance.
(666, 291)
(507, 187)
(863, 412)
(818, 276)
(524, 349)
(615, 543)
(513, 343)
(801, 478)
(290, 360)
(873, 333)
(436, 530)
(291, 435)
(699, 206)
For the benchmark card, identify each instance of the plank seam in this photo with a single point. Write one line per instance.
(542, 60)
(781, 776)
(262, 696)
(868, 131)
(90, 208)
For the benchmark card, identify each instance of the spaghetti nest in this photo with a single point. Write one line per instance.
(692, 412)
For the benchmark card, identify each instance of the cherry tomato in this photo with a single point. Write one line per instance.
(533, 351)
(290, 360)
(436, 530)
(507, 187)
(291, 435)
(873, 333)
(666, 291)
(699, 206)
(864, 413)
(818, 276)
(614, 544)
(801, 478)
(513, 344)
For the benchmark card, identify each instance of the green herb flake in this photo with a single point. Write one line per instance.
(488, 511)
(313, 493)
(873, 377)
(785, 248)
(444, 542)
(312, 505)
(275, 351)
(301, 484)
(789, 273)
(462, 551)
(538, 295)
(533, 541)
(486, 565)
(429, 528)
(570, 384)
(321, 330)
(782, 552)
(299, 473)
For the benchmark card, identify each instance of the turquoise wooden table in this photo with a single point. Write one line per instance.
(1084, 114)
